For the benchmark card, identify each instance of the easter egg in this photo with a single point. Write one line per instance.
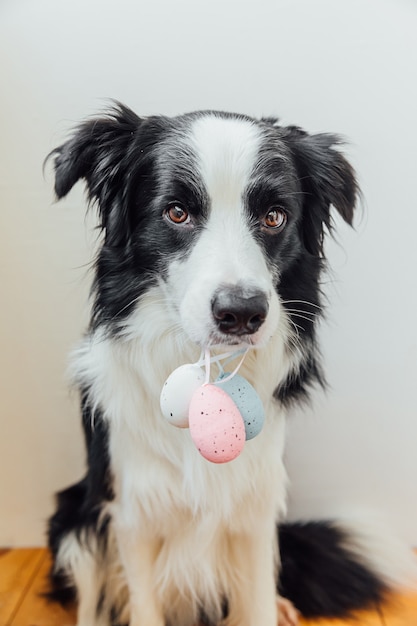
(247, 401)
(216, 425)
(177, 392)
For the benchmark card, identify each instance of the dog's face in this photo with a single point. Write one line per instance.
(225, 213)
(222, 280)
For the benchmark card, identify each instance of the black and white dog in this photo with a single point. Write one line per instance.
(213, 228)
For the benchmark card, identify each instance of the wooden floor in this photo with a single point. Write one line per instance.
(22, 581)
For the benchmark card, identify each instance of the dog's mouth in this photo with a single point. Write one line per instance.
(226, 340)
(238, 342)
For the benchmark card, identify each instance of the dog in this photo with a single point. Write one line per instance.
(213, 228)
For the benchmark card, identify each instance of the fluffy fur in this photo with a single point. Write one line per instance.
(213, 229)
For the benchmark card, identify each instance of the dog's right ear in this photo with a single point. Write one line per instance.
(98, 152)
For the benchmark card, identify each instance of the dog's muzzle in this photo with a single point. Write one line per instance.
(238, 311)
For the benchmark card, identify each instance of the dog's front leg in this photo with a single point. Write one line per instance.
(138, 552)
(252, 598)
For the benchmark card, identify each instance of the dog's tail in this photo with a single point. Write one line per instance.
(332, 568)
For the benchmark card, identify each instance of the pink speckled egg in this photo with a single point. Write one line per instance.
(216, 425)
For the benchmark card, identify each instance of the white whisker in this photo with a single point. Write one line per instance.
(316, 306)
(310, 313)
(304, 317)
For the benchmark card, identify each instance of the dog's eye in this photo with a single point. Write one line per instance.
(176, 214)
(275, 219)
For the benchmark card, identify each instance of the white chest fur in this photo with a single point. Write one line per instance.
(164, 489)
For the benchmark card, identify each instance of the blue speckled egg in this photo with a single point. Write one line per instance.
(247, 401)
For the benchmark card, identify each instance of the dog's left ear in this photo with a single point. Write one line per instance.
(326, 178)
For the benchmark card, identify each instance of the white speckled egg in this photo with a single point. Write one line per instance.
(177, 392)
(247, 401)
(216, 425)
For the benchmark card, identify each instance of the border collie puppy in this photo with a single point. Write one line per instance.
(213, 228)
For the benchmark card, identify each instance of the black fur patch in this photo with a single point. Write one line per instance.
(78, 507)
(320, 576)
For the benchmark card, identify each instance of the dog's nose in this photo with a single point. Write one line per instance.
(239, 312)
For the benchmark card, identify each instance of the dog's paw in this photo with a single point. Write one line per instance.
(287, 613)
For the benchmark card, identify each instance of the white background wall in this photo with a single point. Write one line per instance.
(347, 66)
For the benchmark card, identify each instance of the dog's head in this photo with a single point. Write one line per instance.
(224, 213)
